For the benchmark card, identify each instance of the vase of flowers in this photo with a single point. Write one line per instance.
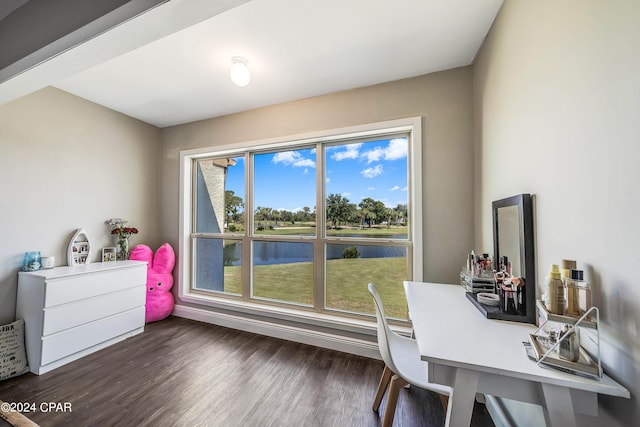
(122, 233)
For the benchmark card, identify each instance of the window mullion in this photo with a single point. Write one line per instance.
(319, 258)
(247, 247)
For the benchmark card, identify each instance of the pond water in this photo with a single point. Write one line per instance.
(266, 253)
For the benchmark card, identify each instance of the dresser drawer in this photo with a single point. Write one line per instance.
(65, 316)
(73, 340)
(73, 288)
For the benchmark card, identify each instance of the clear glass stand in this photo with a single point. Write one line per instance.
(546, 351)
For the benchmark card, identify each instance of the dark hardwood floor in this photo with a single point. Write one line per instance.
(185, 373)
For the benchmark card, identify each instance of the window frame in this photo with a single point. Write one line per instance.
(187, 294)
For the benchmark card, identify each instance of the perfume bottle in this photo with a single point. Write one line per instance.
(577, 294)
(569, 348)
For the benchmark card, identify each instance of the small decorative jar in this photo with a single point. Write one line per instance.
(48, 262)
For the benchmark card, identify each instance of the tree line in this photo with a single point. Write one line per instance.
(340, 212)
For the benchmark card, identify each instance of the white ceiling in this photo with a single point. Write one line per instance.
(295, 48)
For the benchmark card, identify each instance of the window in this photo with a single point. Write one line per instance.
(304, 223)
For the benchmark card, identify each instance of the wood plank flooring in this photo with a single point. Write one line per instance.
(181, 372)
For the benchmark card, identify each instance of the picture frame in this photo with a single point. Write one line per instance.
(109, 254)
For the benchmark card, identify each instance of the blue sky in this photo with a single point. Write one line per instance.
(286, 179)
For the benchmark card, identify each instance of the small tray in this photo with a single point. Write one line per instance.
(493, 312)
(585, 366)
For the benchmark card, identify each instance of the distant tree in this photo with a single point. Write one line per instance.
(276, 215)
(262, 214)
(367, 211)
(401, 213)
(380, 211)
(270, 215)
(367, 216)
(354, 214)
(306, 211)
(389, 214)
(233, 206)
(287, 216)
(338, 209)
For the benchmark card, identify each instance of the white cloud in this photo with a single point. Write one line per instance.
(328, 180)
(293, 158)
(305, 163)
(395, 188)
(372, 172)
(350, 152)
(286, 157)
(371, 188)
(397, 149)
(405, 188)
(373, 155)
(345, 194)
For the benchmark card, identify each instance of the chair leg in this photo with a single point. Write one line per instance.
(394, 389)
(382, 387)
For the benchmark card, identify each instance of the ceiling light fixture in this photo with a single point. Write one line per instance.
(240, 74)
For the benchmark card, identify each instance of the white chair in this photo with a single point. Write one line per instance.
(402, 365)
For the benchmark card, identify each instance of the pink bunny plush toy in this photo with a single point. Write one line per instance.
(159, 279)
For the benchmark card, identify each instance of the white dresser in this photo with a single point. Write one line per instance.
(70, 312)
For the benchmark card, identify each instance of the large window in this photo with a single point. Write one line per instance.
(305, 223)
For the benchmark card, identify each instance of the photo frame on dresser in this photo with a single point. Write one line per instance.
(109, 254)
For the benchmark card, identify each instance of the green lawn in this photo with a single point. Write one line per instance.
(347, 281)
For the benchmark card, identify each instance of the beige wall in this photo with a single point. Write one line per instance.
(557, 108)
(66, 163)
(444, 100)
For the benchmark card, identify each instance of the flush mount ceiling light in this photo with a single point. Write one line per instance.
(240, 74)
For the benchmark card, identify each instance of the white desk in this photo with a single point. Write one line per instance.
(473, 355)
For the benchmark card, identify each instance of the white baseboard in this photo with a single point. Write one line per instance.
(287, 332)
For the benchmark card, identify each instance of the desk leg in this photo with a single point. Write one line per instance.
(558, 410)
(462, 398)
